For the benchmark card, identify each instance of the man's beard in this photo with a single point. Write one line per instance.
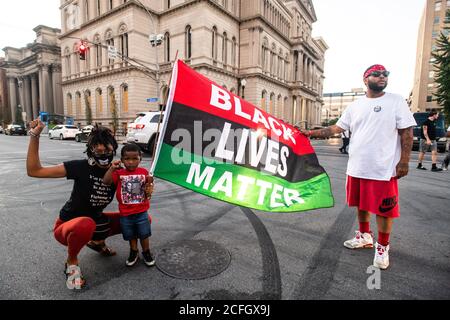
(374, 87)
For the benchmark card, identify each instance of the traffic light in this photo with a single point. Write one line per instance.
(82, 50)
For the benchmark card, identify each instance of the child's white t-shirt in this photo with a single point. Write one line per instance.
(375, 148)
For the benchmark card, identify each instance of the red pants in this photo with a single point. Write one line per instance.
(76, 233)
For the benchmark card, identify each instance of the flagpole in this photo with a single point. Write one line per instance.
(161, 114)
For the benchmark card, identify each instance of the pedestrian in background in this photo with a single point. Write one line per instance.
(345, 142)
(382, 135)
(428, 138)
(447, 158)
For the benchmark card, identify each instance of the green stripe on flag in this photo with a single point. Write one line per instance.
(242, 186)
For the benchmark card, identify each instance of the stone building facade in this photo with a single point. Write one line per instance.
(261, 50)
(435, 19)
(33, 76)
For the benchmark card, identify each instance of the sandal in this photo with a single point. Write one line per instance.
(101, 248)
(74, 277)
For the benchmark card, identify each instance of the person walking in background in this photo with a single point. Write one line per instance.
(345, 142)
(447, 158)
(428, 138)
(382, 136)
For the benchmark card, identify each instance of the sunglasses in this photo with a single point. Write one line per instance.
(377, 74)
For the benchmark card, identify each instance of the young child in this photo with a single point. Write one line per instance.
(133, 198)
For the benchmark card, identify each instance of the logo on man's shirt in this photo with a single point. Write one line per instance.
(388, 204)
(377, 109)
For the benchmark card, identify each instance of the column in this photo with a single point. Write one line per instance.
(34, 96)
(41, 89)
(300, 66)
(27, 92)
(21, 95)
(46, 90)
(57, 90)
(13, 98)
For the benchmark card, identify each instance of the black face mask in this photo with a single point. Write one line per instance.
(104, 160)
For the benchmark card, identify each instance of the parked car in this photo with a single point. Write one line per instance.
(2, 130)
(143, 130)
(62, 132)
(15, 129)
(441, 140)
(83, 134)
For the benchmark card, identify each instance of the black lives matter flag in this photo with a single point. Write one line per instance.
(216, 144)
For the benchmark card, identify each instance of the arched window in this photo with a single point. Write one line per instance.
(188, 36)
(167, 47)
(272, 104)
(67, 62)
(76, 58)
(86, 10)
(98, 7)
(214, 43)
(123, 38)
(124, 98)
(109, 42)
(263, 100)
(69, 104)
(279, 106)
(111, 99)
(98, 51)
(78, 105)
(233, 52)
(167, 4)
(88, 105)
(225, 48)
(99, 102)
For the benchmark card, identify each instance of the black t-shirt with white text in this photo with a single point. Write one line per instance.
(89, 195)
(431, 129)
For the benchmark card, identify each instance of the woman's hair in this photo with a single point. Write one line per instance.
(130, 147)
(101, 135)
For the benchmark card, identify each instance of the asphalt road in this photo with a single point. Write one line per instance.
(274, 256)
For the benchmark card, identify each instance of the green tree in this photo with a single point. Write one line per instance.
(115, 116)
(442, 77)
(87, 100)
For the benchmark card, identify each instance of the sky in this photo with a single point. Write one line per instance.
(359, 33)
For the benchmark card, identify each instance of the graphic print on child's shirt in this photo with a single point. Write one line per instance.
(133, 189)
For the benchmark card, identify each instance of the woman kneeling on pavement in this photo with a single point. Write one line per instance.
(81, 221)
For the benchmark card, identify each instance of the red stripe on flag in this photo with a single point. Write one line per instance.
(194, 90)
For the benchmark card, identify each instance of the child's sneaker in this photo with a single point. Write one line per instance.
(381, 259)
(148, 258)
(133, 258)
(361, 240)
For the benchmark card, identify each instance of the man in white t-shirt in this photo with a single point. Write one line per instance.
(447, 158)
(382, 136)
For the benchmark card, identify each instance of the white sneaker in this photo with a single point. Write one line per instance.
(361, 240)
(381, 259)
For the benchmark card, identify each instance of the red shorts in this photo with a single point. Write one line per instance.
(378, 197)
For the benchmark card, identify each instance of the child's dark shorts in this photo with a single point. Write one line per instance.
(136, 226)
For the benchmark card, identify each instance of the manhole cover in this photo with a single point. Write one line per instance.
(193, 259)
